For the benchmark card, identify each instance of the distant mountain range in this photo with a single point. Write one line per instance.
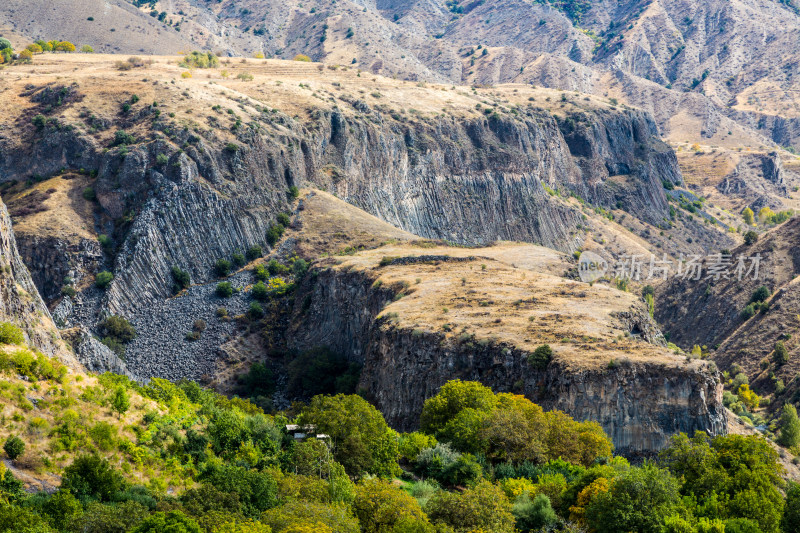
(720, 72)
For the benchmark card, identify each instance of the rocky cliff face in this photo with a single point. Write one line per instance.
(758, 179)
(468, 180)
(51, 260)
(639, 404)
(20, 302)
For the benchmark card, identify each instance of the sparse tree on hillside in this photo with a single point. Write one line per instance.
(64, 46)
(781, 354)
(765, 214)
(14, 447)
(747, 215)
(121, 402)
(790, 427)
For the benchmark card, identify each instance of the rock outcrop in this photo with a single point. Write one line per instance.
(93, 354)
(758, 179)
(52, 260)
(639, 403)
(20, 302)
(471, 180)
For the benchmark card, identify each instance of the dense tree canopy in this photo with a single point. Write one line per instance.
(509, 427)
(182, 459)
(362, 441)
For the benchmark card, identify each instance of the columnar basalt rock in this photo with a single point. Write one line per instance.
(470, 180)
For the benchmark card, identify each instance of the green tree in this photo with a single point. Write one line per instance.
(274, 234)
(533, 515)
(484, 507)
(259, 291)
(412, 443)
(62, 508)
(91, 478)
(750, 237)
(257, 491)
(11, 334)
(171, 522)
(4, 44)
(224, 289)
(336, 516)
(103, 279)
(741, 473)
(791, 513)
(180, 279)
(541, 357)
(39, 121)
(781, 354)
(15, 519)
(760, 295)
(515, 432)
(207, 499)
(118, 328)
(790, 427)
(120, 402)
(14, 447)
(254, 252)
(454, 397)
(639, 500)
(380, 506)
(362, 441)
(748, 216)
(255, 311)
(222, 268)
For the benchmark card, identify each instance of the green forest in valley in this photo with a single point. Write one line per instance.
(179, 458)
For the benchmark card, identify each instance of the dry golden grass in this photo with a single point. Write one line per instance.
(707, 168)
(67, 215)
(507, 293)
(293, 87)
(330, 226)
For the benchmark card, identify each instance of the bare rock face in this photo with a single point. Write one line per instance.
(51, 260)
(759, 179)
(639, 404)
(471, 181)
(482, 180)
(93, 354)
(20, 302)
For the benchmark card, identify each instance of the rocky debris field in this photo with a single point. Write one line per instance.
(161, 347)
